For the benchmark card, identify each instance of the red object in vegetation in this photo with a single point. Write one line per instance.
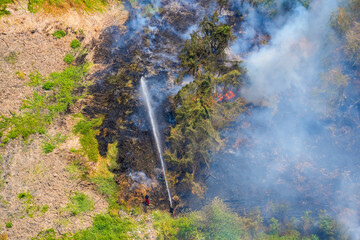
(229, 95)
(147, 201)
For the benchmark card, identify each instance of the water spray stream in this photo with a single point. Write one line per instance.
(155, 131)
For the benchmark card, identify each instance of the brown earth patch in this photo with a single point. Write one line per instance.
(27, 44)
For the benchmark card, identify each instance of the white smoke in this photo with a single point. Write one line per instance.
(291, 60)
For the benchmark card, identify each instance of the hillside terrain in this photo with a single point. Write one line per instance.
(238, 119)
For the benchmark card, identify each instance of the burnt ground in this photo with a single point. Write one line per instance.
(128, 55)
(148, 47)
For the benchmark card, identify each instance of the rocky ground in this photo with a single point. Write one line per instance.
(27, 45)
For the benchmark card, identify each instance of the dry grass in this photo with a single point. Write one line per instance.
(61, 6)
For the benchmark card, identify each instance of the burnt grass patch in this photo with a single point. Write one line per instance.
(126, 56)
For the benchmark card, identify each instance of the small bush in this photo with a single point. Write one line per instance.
(108, 187)
(75, 44)
(59, 34)
(59, 6)
(22, 195)
(35, 79)
(53, 142)
(69, 58)
(80, 203)
(47, 85)
(108, 227)
(48, 234)
(8, 224)
(20, 74)
(87, 129)
(38, 112)
(48, 147)
(3, 5)
(45, 208)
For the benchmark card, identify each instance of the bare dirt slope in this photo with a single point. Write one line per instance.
(26, 45)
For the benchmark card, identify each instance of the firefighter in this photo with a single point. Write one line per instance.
(147, 200)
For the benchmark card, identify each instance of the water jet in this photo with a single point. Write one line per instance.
(154, 127)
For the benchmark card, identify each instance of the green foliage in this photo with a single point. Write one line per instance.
(174, 228)
(217, 221)
(69, 58)
(307, 223)
(199, 117)
(112, 155)
(8, 224)
(80, 203)
(48, 147)
(108, 227)
(75, 44)
(274, 226)
(38, 112)
(77, 170)
(20, 75)
(3, 6)
(328, 227)
(52, 143)
(44, 208)
(25, 195)
(108, 187)
(206, 46)
(28, 203)
(48, 234)
(253, 222)
(194, 136)
(48, 85)
(58, 6)
(59, 34)
(35, 79)
(88, 130)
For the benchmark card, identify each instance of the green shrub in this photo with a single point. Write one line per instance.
(217, 221)
(38, 112)
(52, 143)
(112, 155)
(35, 79)
(69, 58)
(80, 203)
(48, 234)
(20, 74)
(48, 147)
(87, 130)
(108, 187)
(24, 195)
(59, 6)
(77, 170)
(3, 5)
(106, 226)
(59, 34)
(8, 224)
(75, 44)
(45, 208)
(47, 85)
